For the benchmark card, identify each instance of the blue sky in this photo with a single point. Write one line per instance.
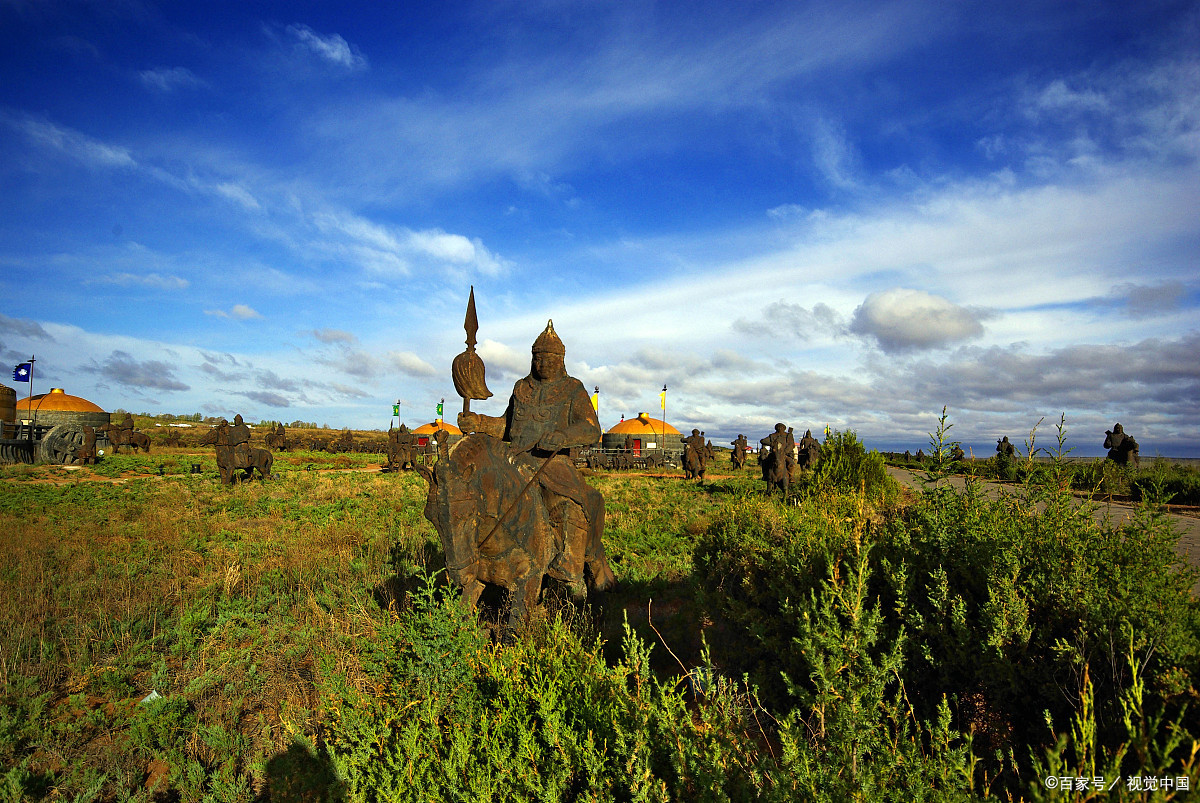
(847, 214)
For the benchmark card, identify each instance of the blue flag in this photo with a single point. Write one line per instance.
(21, 372)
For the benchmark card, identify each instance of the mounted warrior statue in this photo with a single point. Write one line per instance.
(778, 464)
(695, 456)
(1121, 447)
(740, 447)
(507, 500)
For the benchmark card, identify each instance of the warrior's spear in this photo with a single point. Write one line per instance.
(467, 369)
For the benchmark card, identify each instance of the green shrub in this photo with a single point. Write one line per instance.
(437, 707)
(845, 466)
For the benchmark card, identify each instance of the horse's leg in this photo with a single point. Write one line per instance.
(472, 590)
(524, 597)
(595, 557)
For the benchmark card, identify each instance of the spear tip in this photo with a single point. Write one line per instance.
(471, 323)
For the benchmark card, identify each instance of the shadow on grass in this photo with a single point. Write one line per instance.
(300, 775)
(661, 612)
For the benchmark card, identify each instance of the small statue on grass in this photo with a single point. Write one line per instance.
(776, 459)
(808, 451)
(1122, 448)
(738, 455)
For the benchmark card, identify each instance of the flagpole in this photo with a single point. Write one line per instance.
(29, 401)
(663, 442)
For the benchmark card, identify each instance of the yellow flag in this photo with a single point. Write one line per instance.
(662, 398)
(596, 402)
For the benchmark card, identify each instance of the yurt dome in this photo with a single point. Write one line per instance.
(425, 432)
(644, 433)
(59, 407)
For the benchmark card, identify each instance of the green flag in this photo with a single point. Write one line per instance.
(440, 409)
(396, 410)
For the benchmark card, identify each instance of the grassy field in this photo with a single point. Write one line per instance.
(297, 643)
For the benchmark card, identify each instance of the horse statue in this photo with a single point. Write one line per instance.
(277, 439)
(695, 456)
(499, 526)
(738, 455)
(808, 452)
(694, 464)
(777, 472)
(400, 449)
(119, 436)
(777, 462)
(243, 456)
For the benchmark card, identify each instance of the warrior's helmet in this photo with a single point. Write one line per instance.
(548, 342)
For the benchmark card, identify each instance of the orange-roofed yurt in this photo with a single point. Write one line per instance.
(58, 407)
(425, 432)
(644, 433)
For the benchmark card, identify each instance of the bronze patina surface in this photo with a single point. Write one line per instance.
(507, 501)
(740, 447)
(808, 451)
(695, 455)
(776, 459)
(234, 452)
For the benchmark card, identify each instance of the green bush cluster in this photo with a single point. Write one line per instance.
(845, 466)
(433, 705)
(1050, 637)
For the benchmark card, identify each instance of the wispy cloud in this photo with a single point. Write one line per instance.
(330, 48)
(238, 312)
(265, 397)
(72, 143)
(123, 368)
(154, 280)
(169, 79)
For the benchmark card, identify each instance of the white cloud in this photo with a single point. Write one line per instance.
(145, 279)
(442, 246)
(72, 143)
(238, 193)
(331, 48)
(238, 312)
(334, 336)
(903, 320)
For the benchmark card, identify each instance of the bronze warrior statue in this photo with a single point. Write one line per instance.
(508, 502)
(695, 455)
(738, 455)
(809, 451)
(1121, 447)
(776, 461)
